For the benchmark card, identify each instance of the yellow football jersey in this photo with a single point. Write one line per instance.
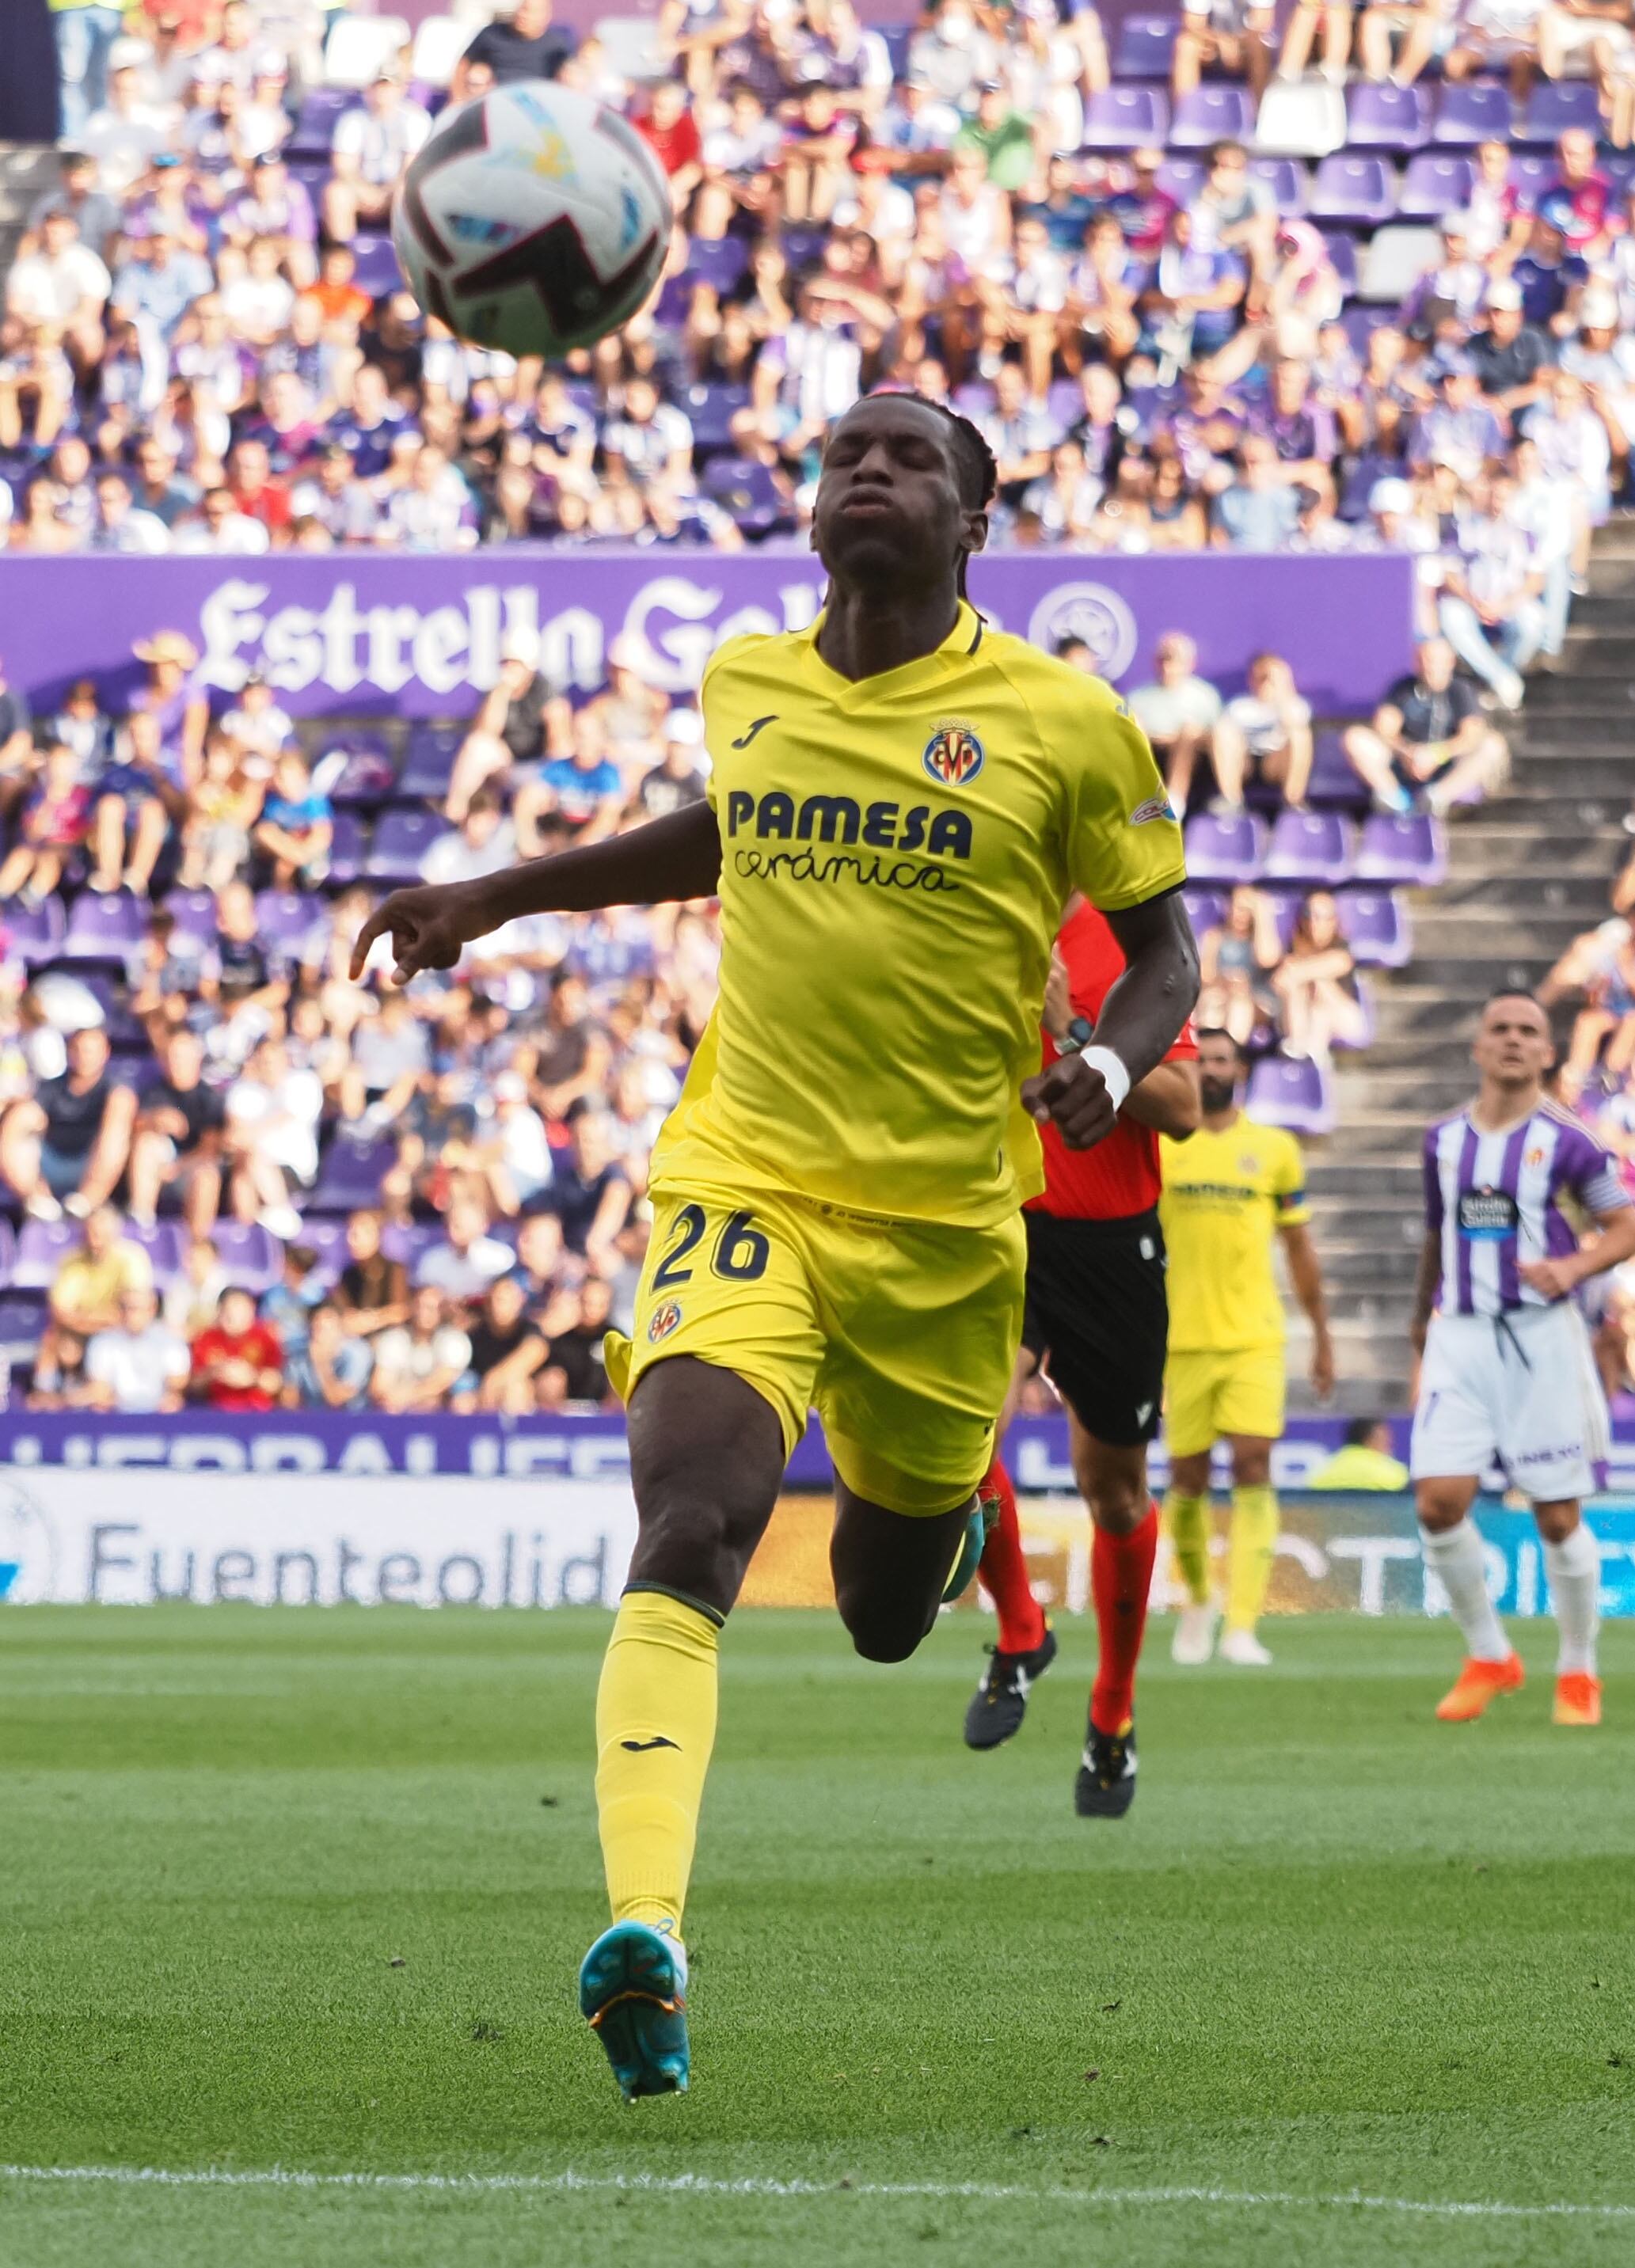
(1225, 1196)
(895, 856)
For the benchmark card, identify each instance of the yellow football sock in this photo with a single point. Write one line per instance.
(655, 1727)
(1250, 1542)
(1186, 1518)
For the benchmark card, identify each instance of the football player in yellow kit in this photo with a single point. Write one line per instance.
(900, 801)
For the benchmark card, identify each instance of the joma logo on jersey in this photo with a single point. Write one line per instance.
(953, 755)
(837, 819)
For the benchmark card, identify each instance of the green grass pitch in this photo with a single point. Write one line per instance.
(307, 1891)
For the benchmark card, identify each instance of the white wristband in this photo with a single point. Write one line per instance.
(1115, 1077)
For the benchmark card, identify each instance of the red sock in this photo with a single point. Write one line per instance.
(1120, 1576)
(1004, 1571)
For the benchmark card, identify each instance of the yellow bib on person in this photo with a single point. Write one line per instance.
(1226, 1196)
(896, 855)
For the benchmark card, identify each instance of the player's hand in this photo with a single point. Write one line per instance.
(1074, 1094)
(1552, 1279)
(429, 926)
(1322, 1365)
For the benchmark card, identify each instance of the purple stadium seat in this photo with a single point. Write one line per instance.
(194, 913)
(1556, 105)
(1126, 118)
(719, 261)
(1472, 110)
(1215, 112)
(711, 409)
(134, 1066)
(378, 271)
(747, 490)
(1290, 1091)
(251, 1255)
(1205, 909)
(803, 247)
(43, 1246)
(36, 933)
(1411, 850)
(429, 761)
(350, 1174)
(1531, 172)
(285, 918)
(162, 1243)
(1388, 118)
(1618, 165)
(362, 777)
(22, 1319)
(1342, 249)
(1436, 182)
(1332, 781)
(325, 1237)
(1285, 912)
(1375, 926)
(401, 839)
(1225, 849)
(1309, 846)
(1183, 178)
(346, 850)
(1359, 189)
(103, 928)
(1146, 45)
(1288, 179)
(409, 1241)
(314, 129)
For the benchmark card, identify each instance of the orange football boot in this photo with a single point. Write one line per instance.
(1477, 1685)
(1577, 1699)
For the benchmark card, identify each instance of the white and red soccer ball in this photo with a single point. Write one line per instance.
(533, 220)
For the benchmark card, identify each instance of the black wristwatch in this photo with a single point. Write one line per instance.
(1080, 1032)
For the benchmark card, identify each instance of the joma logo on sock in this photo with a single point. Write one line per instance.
(657, 1741)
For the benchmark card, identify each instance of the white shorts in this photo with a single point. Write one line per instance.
(1520, 1388)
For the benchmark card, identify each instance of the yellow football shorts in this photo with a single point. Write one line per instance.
(1240, 1390)
(902, 1334)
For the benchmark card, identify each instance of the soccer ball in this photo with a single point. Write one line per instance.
(533, 220)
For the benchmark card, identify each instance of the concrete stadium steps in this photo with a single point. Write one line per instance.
(1526, 874)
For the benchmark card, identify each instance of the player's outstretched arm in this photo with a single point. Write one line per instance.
(1139, 1021)
(431, 926)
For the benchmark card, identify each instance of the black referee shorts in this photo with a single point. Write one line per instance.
(1097, 1319)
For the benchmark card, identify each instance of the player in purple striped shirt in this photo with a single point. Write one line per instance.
(1506, 1367)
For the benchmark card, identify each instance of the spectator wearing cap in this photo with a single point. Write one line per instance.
(1604, 362)
(1461, 428)
(522, 43)
(173, 696)
(1234, 36)
(1508, 354)
(676, 783)
(371, 145)
(1429, 742)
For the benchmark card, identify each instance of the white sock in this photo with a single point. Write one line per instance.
(1455, 1556)
(1574, 1573)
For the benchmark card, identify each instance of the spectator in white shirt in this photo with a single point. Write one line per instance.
(125, 137)
(340, 505)
(120, 527)
(433, 512)
(483, 844)
(272, 1137)
(650, 439)
(417, 1363)
(467, 1261)
(140, 1365)
(259, 303)
(218, 527)
(370, 149)
(64, 284)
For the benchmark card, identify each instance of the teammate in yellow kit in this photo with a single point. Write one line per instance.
(900, 803)
(1230, 1193)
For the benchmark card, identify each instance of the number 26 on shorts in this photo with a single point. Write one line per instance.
(740, 1252)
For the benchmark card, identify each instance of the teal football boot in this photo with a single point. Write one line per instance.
(633, 1993)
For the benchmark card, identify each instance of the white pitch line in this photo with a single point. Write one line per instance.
(289, 2178)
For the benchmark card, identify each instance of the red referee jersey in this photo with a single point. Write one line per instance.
(1119, 1176)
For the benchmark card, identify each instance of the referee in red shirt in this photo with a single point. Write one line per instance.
(1097, 1320)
